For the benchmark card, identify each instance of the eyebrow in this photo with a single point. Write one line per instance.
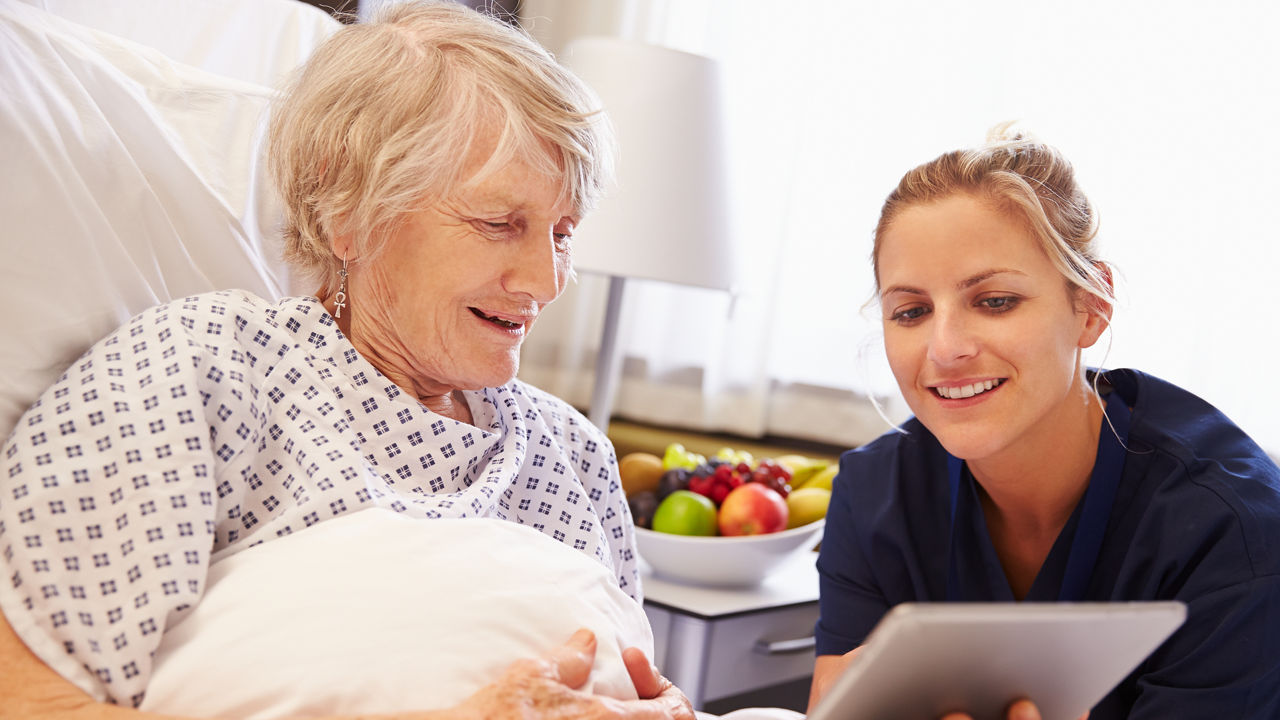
(964, 284)
(502, 201)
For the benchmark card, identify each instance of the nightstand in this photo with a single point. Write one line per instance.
(715, 643)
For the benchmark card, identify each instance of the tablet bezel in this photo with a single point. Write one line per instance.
(924, 660)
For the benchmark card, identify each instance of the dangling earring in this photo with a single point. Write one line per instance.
(340, 300)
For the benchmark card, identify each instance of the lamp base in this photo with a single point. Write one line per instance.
(608, 360)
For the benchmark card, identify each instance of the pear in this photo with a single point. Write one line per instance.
(807, 505)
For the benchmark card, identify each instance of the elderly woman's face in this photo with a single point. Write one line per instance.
(447, 305)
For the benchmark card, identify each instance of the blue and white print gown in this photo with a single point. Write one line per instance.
(220, 421)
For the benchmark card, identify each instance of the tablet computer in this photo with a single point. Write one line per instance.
(924, 660)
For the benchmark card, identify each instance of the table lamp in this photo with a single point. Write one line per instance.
(667, 218)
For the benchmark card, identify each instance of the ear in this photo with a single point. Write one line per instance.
(1096, 310)
(342, 246)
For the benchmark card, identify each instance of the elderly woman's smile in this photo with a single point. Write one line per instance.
(505, 324)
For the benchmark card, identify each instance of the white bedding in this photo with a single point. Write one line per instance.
(132, 174)
(130, 177)
(376, 612)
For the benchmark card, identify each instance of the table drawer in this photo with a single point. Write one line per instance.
(737, 658)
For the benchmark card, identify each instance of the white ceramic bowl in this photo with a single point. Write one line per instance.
(724, 561)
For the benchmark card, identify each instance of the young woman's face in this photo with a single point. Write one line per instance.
(980, 329)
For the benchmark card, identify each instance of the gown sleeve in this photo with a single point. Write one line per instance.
(108, 500)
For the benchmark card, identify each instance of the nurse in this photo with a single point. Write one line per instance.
(1024, 475)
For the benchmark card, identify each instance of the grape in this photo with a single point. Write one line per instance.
(672, 480)
(704, 470)
(643, 505)
(777, 483)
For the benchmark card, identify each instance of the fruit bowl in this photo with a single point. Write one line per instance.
(740, 561)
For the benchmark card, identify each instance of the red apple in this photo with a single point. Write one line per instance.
(752, 509)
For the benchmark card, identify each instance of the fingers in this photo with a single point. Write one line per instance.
(648, 681)
(570, 663)
(550, 688)
(657, 694)
(677, 703)
(1023, 709)
(670, 704)
(570, 666)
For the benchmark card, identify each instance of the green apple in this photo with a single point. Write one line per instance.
(685, 513)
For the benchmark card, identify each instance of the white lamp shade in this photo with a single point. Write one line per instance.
(667, 217)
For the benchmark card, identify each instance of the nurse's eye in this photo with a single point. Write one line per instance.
(999, 303)
(909, 315)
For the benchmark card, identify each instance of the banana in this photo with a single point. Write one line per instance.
(821, 476)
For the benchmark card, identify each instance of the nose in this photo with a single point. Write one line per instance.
(951, 339)
(537, 269)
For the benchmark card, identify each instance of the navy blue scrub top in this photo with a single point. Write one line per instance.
(1195, 516)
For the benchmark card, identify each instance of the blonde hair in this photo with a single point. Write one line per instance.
(385, 116)
(1022, 175)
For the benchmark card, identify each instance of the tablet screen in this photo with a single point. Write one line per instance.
(924, 660)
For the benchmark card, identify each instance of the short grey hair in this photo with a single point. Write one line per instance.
(385, 116)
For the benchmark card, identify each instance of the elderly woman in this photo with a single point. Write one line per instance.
(433, 165)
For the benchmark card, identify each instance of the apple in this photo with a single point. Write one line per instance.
(685, 513)
(752, 509)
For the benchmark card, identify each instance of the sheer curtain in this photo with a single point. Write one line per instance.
(1167, 109)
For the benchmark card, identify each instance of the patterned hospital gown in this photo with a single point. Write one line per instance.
(218, 422)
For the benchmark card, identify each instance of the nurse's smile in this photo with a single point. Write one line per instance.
(964, 391)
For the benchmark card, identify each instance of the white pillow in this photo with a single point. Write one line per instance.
(128, 179)
(257, 41)
(376, 612)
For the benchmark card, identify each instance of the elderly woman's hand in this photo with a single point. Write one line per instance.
(548, 688)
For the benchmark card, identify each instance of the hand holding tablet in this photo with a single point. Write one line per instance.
(925, 660)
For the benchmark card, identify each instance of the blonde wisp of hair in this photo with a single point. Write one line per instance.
(1021, 175)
